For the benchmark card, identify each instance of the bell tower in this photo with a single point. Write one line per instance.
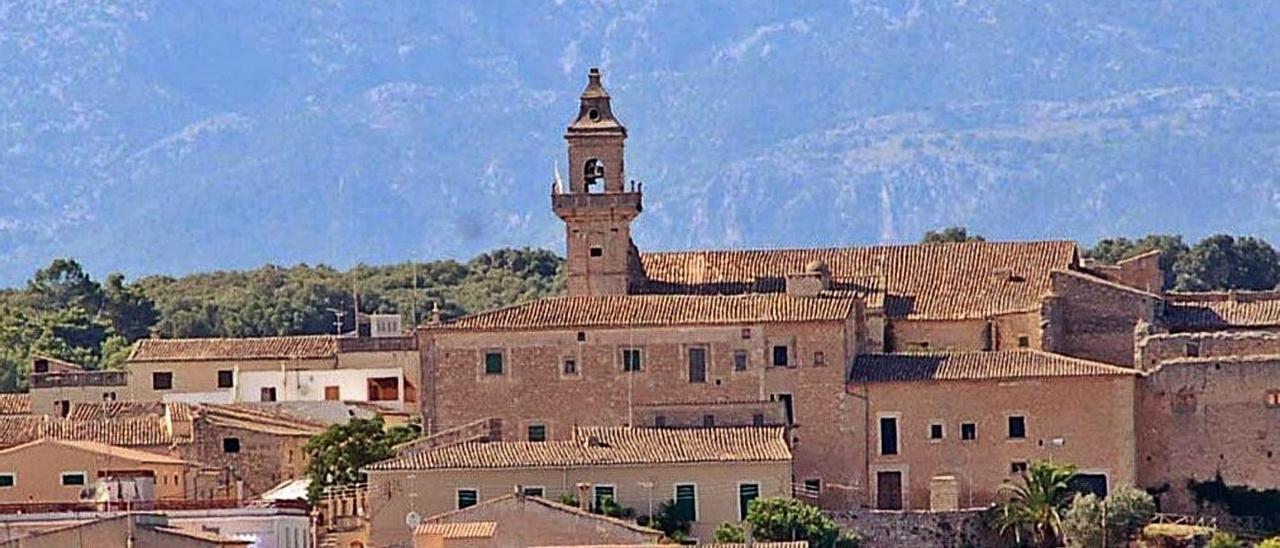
(599, 205)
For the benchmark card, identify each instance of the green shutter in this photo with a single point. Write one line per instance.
(467, 498)
(493, 363)
(747, 492)
(686, 502)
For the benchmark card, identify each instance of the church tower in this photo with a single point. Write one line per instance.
(599, 204)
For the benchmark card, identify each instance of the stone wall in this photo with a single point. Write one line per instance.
(263, 459)
(1095, 319)
(1152, 350)
(1200, 417)
(960, 529)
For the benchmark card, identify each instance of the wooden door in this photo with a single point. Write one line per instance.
(331, 393)
(889, 490)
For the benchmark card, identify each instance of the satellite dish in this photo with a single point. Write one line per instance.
(412, 519)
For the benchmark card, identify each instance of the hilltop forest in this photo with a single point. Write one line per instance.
(64, 313)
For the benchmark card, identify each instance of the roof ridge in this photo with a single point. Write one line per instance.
(979, 243)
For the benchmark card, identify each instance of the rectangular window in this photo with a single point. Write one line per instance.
(780, 355)
(225, 379)
(632, 359)
(1024, 341)
(582, 336)
(788, 408)
(1193, 349)
(659, 421)
(1018, 467)
(687, 501)
(161, 380)
(73, 478)
(747, 492)
(529, 491)
(493, 363)
(268, 393)
(570, 368)
(746, 333)
(935, 431)
(230, 445)
(697, 364)
(597, 252)
(819, 359)
(332, 393)
(537, 432)
(813, 487)
(467, 498)
(8, 480)
(757, 419)
(1273, 398)
(602, 493)
(739, 360)
(1017, 427)
(888, 436)
(968, 431)
(708, 421)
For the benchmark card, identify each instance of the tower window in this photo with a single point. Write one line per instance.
(593, 173)
(597, 251)
(594, 115)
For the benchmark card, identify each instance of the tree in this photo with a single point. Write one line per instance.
(1034, 509)
(130, 312)
(63, 284)
(951, 234)
(1273, 542)
(1124, 513)
(671, 520)
(783, 519)
(1226, 262)
(337, 454)
(1224, 540)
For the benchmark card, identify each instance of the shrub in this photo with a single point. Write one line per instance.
(1126, 511)
(1224, 540)
(730, 533)
(1273, 542)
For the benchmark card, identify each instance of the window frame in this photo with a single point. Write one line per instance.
(541, 489)
(529, 431)
(705, 366)
(1010, 421)
(457, 497)
(1015, 465)
(565, 364)
(262, 394)
(1272, 399)
(13, 479)
(1023, 341)
(626, 364)
(881, 420)
(675, 497)
(502, 363)
(819, 358)
(230, 376)
(596, 501)
(942, 431)
(786, 355)
(84, 478)
(973, 425)
(742, 508)
(238, 446)
(157, 375)
(708, 421)
(812, 486)
(741, 361)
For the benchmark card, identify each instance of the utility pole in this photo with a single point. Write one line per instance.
(337, 322)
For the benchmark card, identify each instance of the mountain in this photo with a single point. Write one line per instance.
(150, 137)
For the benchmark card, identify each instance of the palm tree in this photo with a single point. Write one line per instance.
(1034, 507)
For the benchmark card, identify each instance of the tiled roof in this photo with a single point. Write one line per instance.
(258, 419)
(103, 449)
(181, 412)
(756, 544)
(1218, 310)
(147, 430)
(658, 310)
(254, 348)
(932, 281)
(952, 366)
(203, 536)
(607, 446)
(516, 499)
(458, 529)
(15, 404)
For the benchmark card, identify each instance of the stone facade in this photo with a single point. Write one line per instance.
(1090, 318)
(959, 529)
(1201, 417)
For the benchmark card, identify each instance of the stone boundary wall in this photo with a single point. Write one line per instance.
(883, 529)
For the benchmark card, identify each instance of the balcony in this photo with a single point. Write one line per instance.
(79, 379)
(568, 204)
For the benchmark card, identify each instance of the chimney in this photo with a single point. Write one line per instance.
(815, 279)
(584, 501)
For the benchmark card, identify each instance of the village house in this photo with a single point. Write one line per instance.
(710, 474)
(50, 470)
(135, 530)
(381, 369)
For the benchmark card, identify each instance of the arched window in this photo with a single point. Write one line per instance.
(593, 173)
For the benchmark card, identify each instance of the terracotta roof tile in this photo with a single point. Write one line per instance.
(148, 430)
(104, 449)
(611, 446)
(658, 310)
(254, 348)
(15, 404)
(952, 366)
(512, 499)
(181, 412)
(258, 419)
(458, 529)
(933, 281)
(1218, 310)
